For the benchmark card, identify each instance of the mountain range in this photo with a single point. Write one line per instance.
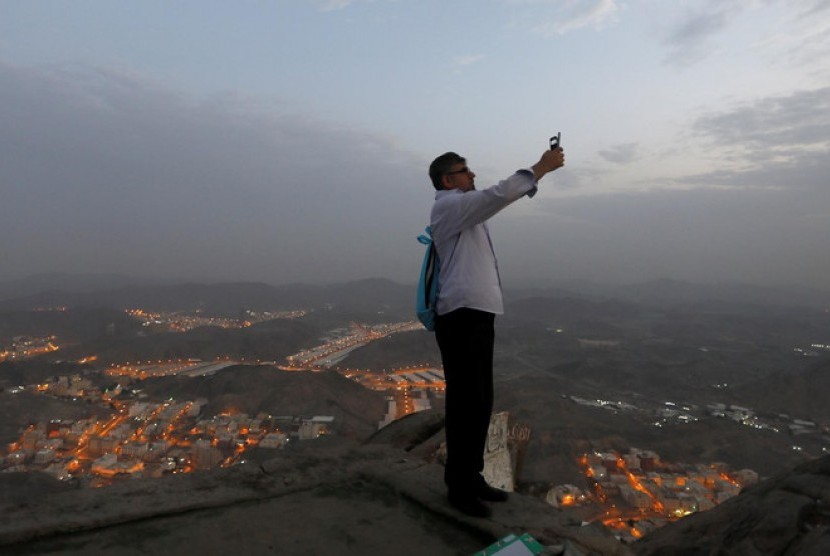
(562, 354)
(367, 295)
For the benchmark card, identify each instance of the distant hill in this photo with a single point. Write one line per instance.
(18, 411)
(365, 297)
(785, 391)
(668, 292)
(396, 351)
(380, 298)
(637, 348)
(584, 317)
(563, 430)
(15, 373)
(66, 282)
(268, 341)
(255, 389)
(76, 325)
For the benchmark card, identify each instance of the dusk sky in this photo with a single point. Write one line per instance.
(288, 140)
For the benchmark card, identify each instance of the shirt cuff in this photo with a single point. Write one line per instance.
(529, 172)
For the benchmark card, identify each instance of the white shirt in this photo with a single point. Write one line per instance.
(469, 274)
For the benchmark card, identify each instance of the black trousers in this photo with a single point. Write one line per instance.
(465, 338)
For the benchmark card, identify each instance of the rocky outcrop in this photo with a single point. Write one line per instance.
(339, 497)
(786, 515)
(422, 434)
(330, 497)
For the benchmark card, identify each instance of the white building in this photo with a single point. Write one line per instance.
(391, 412)
(273, 440)
(421, 402)
(204, 455)
(315, 427)
(44, 456)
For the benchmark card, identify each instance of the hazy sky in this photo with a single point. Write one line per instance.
(289, 140)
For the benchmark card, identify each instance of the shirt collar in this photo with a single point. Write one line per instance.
(444, 192)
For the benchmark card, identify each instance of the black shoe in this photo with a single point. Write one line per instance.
(469, 505)
(491, 494)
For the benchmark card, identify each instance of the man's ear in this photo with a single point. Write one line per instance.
(445, 182)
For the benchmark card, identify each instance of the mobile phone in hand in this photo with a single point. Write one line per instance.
(556, 141)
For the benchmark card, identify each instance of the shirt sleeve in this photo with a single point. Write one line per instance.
(457, 211)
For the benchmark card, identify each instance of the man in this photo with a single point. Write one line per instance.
(469, 299)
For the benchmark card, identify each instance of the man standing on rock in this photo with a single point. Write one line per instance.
(469, 298)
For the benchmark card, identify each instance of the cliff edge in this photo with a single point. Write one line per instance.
(329, 497)
(336, 496)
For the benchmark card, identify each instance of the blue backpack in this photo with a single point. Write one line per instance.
(428, 283)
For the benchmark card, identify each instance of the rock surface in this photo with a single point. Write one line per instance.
(785, 515)
(339, 497)
(330, 497)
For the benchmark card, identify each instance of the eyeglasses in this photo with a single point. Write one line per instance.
(464, 170)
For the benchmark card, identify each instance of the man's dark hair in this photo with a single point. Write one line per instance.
(441, 166)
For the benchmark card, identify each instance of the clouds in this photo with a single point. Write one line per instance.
(755, 208)
(334, 5)
(107, 171)
(290, 141)
(468, 60)
(705, 235)
(565, 16)
(800, 120)
(594, 14)
(792, 34)
(780, 141)
(687, 40)
(620, 154)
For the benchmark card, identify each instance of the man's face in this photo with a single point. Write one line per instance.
(460, 177)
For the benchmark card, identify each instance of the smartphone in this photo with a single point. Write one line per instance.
(556, 141)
